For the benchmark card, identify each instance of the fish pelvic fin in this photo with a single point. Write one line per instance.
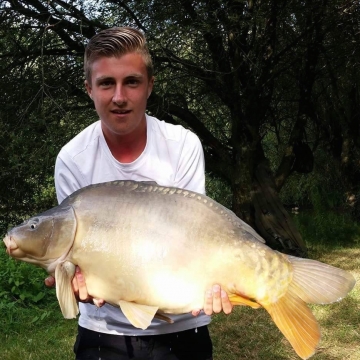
(64, 272)
(138, 315)
(296, 321)
(236, 299)
(163, 317)
(319, 283)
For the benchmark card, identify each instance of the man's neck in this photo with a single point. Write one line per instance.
(127, 148)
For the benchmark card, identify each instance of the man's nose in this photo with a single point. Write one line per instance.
(119, 96)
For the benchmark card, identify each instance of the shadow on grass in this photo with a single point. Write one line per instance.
(328, 231)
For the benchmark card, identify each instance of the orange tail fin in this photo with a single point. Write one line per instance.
(312, 282)
(296, 321)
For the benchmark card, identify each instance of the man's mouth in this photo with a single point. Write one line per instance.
(120, 112)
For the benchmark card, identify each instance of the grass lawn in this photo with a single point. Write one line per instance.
(48, 339)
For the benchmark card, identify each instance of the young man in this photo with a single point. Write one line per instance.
(127, 144)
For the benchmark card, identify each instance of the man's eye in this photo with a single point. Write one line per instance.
(105, 83)
(133, 82)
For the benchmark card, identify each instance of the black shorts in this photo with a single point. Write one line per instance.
(193, 344)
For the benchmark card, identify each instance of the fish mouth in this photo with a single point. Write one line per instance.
(10, 244)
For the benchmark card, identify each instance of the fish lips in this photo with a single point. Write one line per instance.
(11, 247)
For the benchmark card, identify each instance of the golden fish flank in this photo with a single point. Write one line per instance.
(147, 249)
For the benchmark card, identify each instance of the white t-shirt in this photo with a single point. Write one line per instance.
(173, 156)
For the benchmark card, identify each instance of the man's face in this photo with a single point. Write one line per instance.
(119, 88)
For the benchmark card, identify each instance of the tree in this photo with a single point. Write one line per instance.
(238, 73)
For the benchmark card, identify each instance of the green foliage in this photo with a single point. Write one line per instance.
(22, 284)
(323, 189)
(236, 74)
(239, 74)
(324, 216)
(219, 190)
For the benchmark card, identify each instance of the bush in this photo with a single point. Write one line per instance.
(22, 284)
(322, 190)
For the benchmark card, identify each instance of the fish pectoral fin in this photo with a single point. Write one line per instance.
(138, 315)
(240, 300)
(296, 321)
(64, 272)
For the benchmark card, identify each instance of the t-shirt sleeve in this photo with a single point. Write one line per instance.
(191, 166)
(67, 176)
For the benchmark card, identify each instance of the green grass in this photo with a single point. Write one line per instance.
(38, 331)
(48, 339)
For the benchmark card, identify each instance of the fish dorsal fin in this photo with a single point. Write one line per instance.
(138, 315)
(64, 273)
(239, 300)
(150, 182)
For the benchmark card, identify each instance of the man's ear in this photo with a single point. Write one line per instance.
(151, 85)
(88, 88)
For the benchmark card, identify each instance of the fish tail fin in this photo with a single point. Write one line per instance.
(312, 282)
(296, 321)
(318, 283)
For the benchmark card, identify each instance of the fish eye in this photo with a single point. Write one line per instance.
(34, 223)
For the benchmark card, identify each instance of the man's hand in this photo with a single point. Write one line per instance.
(50, 281)
(216, 300)
(79, 288)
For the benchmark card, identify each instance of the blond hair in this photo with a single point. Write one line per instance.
(115, 42)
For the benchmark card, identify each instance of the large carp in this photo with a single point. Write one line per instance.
(153, 250)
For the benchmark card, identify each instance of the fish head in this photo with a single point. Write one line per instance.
(43, 238)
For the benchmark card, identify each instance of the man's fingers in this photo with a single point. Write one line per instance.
(80, 289)
(196, 312)
(208, 303)
(216, 300)
(80, 286)
(75, 287)
(212, 301)
(217, 306)
(50, 281)
(98, 302)
(225, 303)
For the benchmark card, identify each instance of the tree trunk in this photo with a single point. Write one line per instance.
(257, 202)
(271, 218)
